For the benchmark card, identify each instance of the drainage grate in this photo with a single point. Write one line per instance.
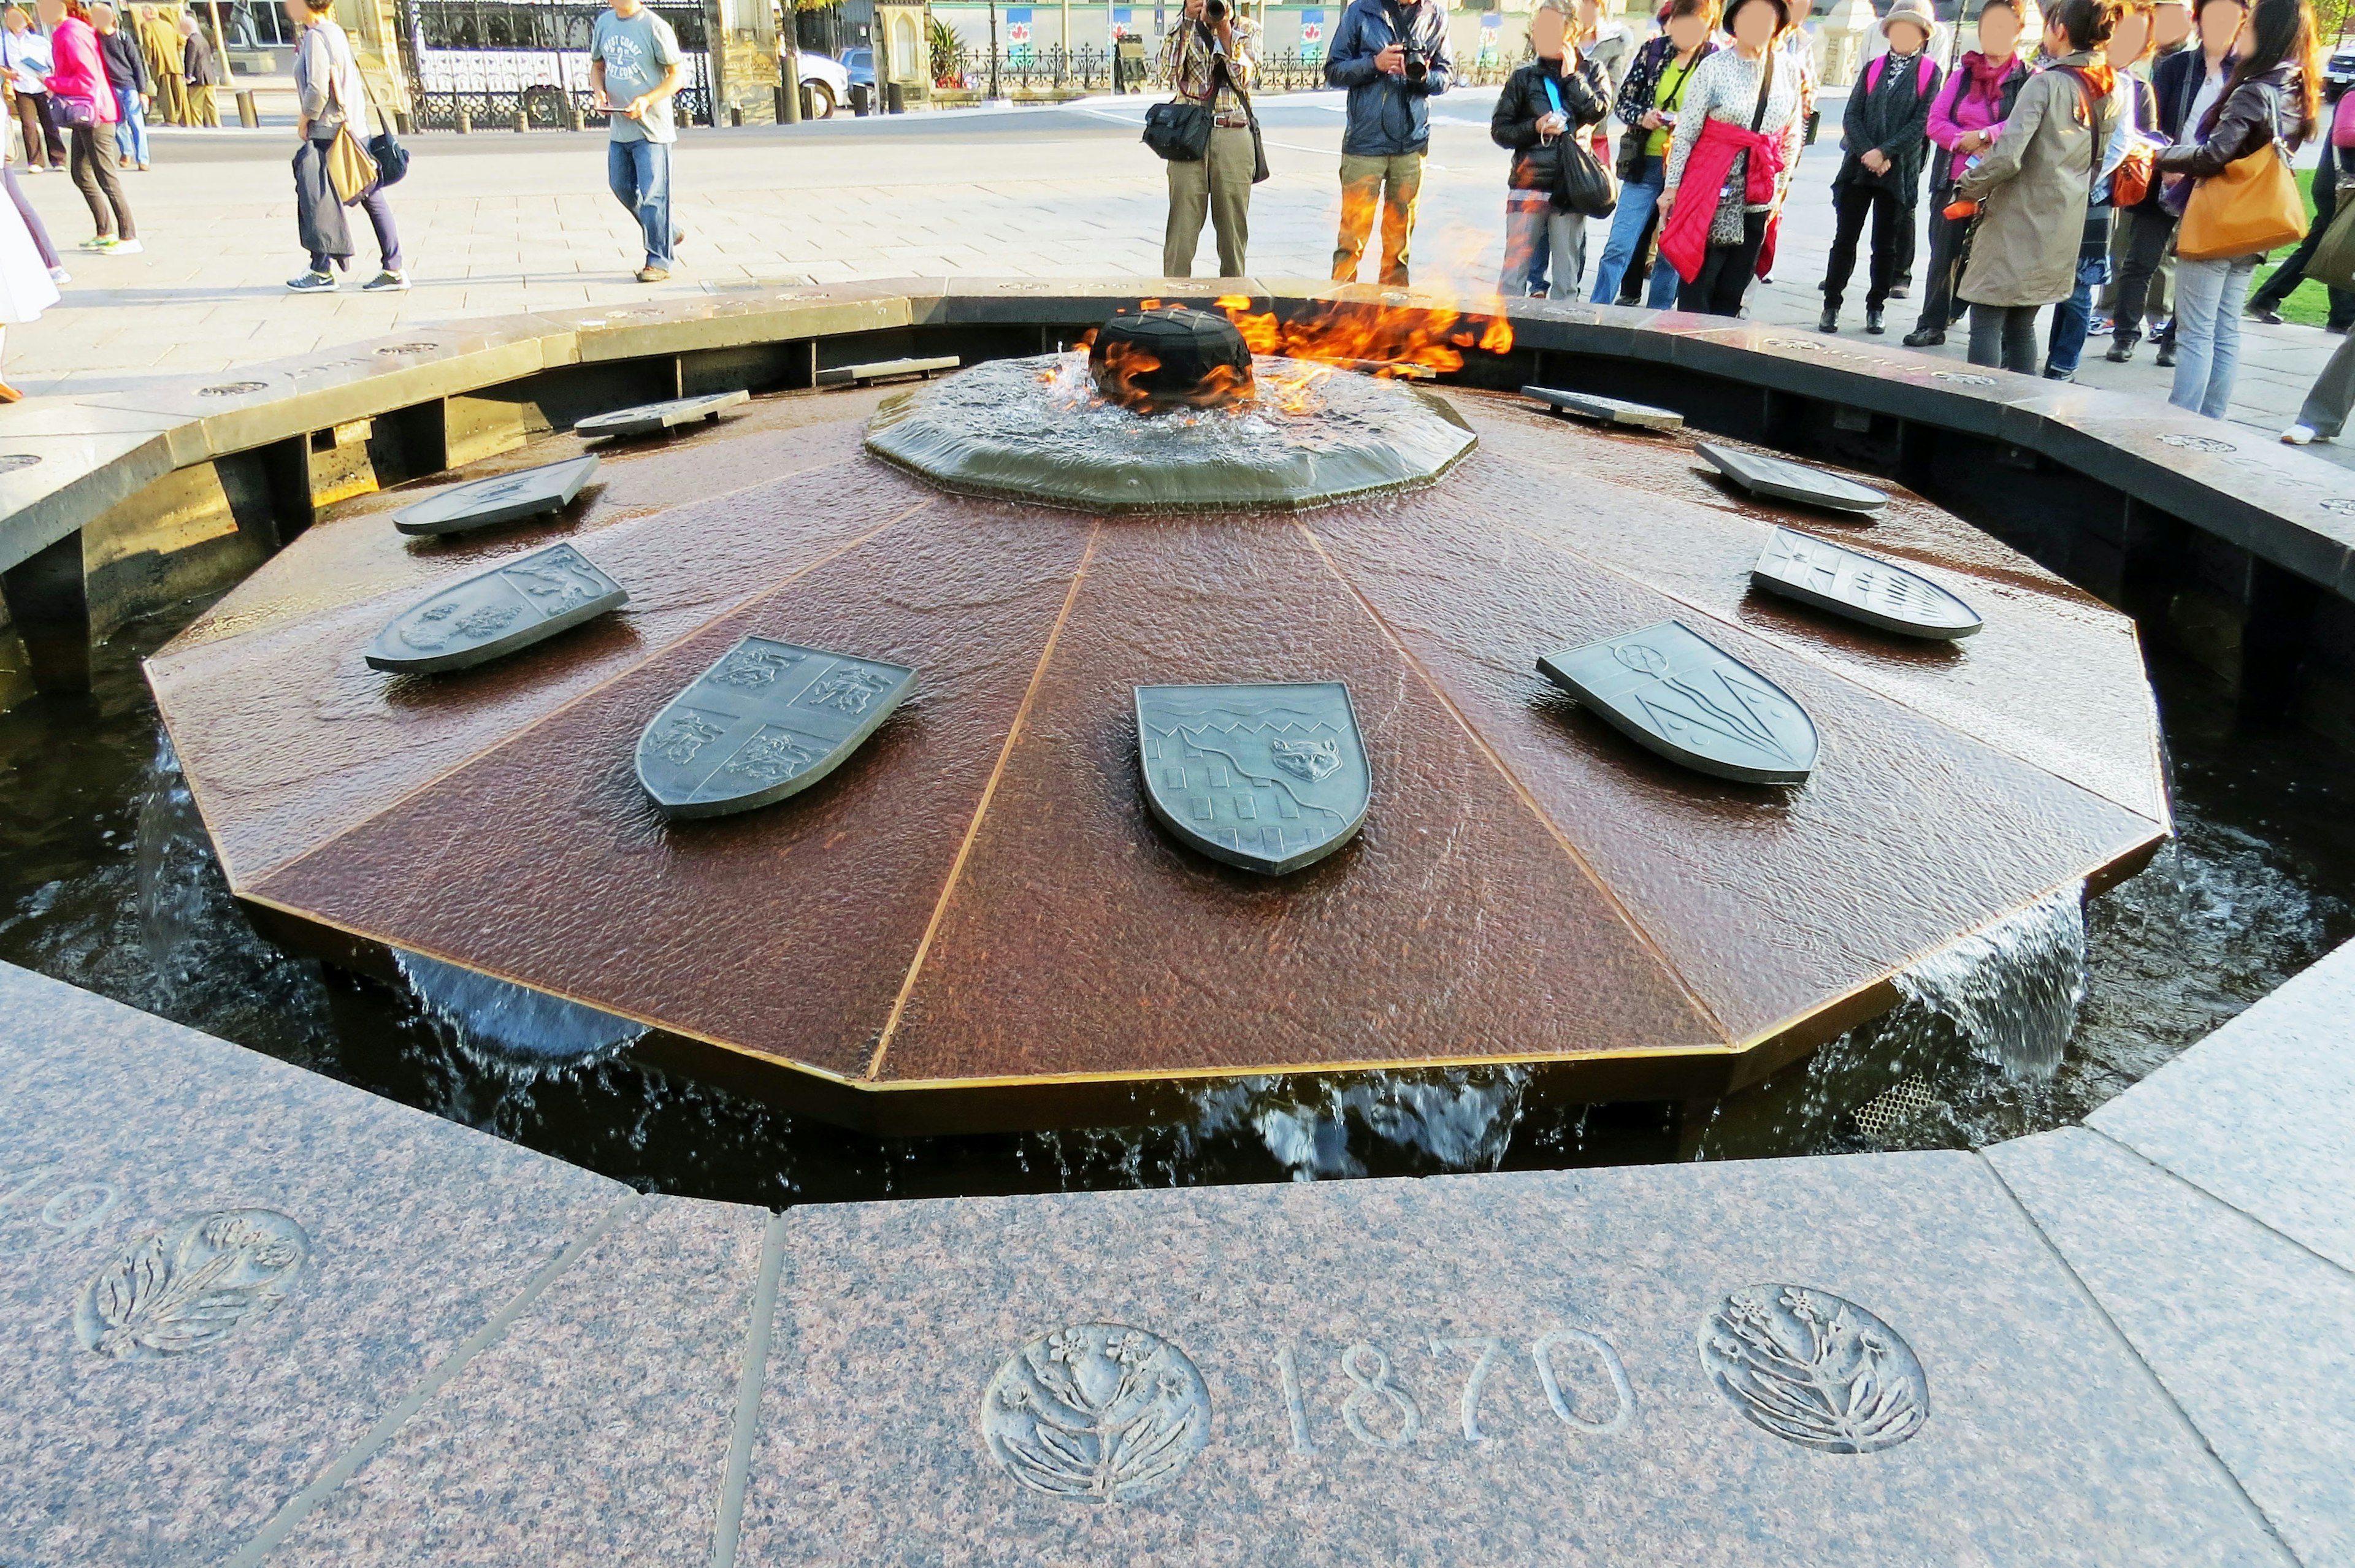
(1891, 1109)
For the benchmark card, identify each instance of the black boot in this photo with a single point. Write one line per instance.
(1924, 338)
(2167, 355)
(1873, 319)
(2121, 351)
(1830, 322)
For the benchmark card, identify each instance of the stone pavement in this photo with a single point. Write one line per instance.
(251, 1316)
(497, 223)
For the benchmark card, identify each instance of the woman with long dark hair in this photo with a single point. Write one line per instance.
(2273, 93)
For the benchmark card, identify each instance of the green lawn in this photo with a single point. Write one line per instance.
(2309, 303)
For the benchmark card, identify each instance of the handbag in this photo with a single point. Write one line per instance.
(350, 170)
(391, 158)
(74, 114)
(1582, 183)
(2333, 261)
(2252, 207)
(1179, 129)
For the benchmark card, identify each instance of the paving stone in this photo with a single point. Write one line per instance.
(359, 1246)
(2262, 1113)
(2246, 1329)
(595, 1432)
(1526, 1368)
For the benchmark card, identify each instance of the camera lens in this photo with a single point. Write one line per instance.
(1214, 10)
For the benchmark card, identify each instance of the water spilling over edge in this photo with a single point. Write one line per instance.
(511, 1028)
(2011, 989)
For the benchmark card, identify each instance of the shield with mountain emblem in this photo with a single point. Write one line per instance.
(1270, 778)
(768, 721)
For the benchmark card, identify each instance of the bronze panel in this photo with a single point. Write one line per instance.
(789, 930)
(1081, 939)
(1773, 902)
(288, 737)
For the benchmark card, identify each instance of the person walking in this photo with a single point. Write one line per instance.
(1539, 113)
(42, 245)
(2033, 185)
(202, 72)
(1393, 58)
(1965, 120)
(85, 103)
(160, 41)
(28, 58)
(1884, 132)
(2186, 85)
(2273, 94)
(1737, 139)
(1208, 60)
(2072, 318)
(633, 66)
(328, 94)
(2323, 415)
(134, 84)
(2329, 176)
(1647, 103)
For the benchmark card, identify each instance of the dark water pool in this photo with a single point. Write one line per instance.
(107, 881)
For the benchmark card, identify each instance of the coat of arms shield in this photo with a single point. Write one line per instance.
(1668, 687)
(1268, 777)
(768, 720)
(1861, 587)
(495, 613)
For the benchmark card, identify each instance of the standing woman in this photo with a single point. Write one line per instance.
(2033, 186)
(1647, 104)
(1737, 139)
(1965, 120)
(1881, 177)
(83, 102)
(2273, 93)
(328, 91)
(26, 287)
(1542, 111)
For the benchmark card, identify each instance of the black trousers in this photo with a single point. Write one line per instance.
(1725, 273)
(94, 172)
(1854, 204)
(2291, 271)
(1939, 306)
(2146, 245)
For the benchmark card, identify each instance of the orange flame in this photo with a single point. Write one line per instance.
(1414, 342)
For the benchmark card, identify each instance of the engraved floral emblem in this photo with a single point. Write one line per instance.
(2198, 443)
(1815, 1369)
(749, 668)
(848, 688)
(232, 388)
(1306, 760)
(685, 736)
(2339, 503)
(12, 461)
(771, 759)
(190, 1285)
(1097, 1412)
(1962, 378)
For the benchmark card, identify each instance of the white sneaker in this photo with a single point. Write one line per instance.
(60, 275)
(2298, 434)
(123, 248)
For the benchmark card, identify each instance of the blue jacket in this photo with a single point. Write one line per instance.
(1388, 114)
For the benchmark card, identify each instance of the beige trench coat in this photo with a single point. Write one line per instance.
(2033, 184)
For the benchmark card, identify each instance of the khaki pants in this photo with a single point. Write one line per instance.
(202, 110)
(1219, 183)
(172, 92)
(1392, 183)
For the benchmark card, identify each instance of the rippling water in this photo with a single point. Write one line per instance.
(107, 881)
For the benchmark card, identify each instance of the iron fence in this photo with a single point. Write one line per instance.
(493, 58)
(1090, 67)
(543, 108)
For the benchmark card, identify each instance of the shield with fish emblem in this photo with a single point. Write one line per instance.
(1270, 778)
(768, 721)
(1668, 687)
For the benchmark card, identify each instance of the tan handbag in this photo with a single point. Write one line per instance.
(349, 168)
(2253, 207)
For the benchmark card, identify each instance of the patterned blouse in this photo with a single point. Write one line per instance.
(1189, 55)
(1725, 87)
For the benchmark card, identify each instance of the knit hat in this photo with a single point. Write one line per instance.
(1914, 11)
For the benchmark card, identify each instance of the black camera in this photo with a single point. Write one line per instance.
(1416, 66)
(1214, 10)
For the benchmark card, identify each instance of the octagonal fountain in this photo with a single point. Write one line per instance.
(981, 918)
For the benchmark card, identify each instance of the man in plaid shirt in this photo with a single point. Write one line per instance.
(1203, 61)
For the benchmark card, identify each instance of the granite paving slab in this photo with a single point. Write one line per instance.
(595, 1433)
(2246, 1329)
(1595, 1366)
(2262, 1113)
(218, 1273)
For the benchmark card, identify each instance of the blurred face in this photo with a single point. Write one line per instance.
(1546, 29)
(16, 21)
(1756, 25)
(2128, 39)
(52, 13)
(1906, 39)
(1687, 32)
(2170, 25)
(1999, 31)
(2219, 24)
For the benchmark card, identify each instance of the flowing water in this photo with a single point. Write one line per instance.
(107, 881)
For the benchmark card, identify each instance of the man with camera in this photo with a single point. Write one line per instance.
(1207, 59)
(1392, 58)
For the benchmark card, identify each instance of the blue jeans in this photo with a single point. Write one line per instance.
(2208, 300)
(1637, 199)
(639, 172)
(1535, 233)
(131, 130)
(2072, 317)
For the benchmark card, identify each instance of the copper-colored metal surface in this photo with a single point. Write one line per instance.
(979, 904)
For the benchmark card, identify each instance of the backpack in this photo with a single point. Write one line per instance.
(1923, 67)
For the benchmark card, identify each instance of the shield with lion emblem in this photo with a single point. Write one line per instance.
(1270, 778)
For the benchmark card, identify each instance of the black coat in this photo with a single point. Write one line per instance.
(1893, 115)
(1585, 100)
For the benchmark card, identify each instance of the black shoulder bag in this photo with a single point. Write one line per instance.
(1179, 129)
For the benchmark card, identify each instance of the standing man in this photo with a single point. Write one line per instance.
(1204, 61)
(161, 39)
(134, 84)
(1393, 58)
(633, 64)
(202, 72)
(27, 56)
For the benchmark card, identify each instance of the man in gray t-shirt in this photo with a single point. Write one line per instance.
(633, 64)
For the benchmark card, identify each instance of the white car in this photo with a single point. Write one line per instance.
(827, 82)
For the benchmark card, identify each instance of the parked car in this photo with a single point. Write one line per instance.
(827, 83)
(860, 64)
(2339, 70)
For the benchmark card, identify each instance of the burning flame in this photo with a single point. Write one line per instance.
(1386, 340)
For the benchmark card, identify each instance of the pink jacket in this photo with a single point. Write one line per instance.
(1970, 99)
(79, 72)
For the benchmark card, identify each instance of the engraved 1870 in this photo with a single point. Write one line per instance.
(1363, 1394)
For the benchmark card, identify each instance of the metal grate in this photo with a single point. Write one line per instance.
(1891, 1109)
